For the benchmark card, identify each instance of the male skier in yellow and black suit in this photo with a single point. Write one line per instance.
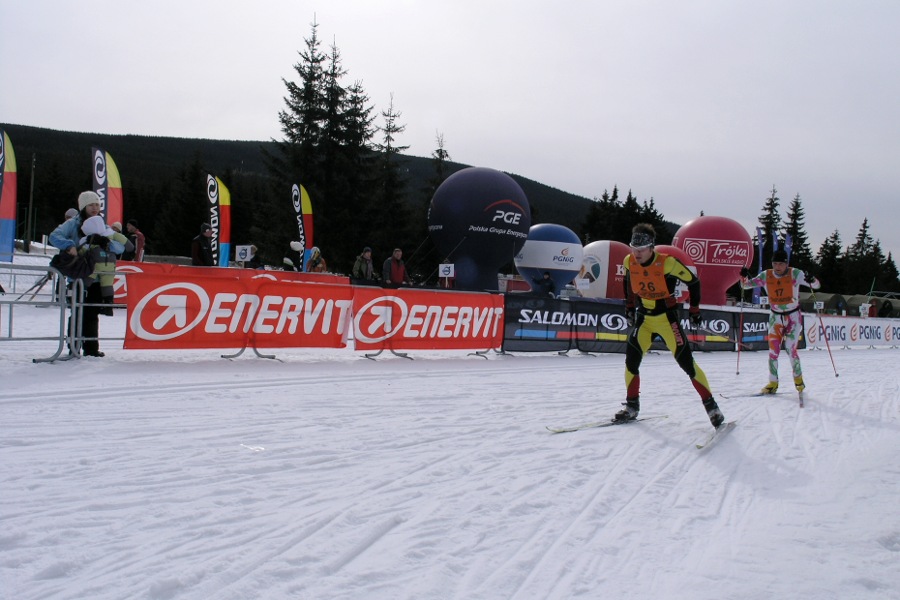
(650, 305)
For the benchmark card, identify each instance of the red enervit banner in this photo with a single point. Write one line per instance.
(124, 269)
(233, 310)
(410, 319)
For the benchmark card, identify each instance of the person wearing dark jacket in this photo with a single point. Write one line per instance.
(201, 248)
(393, 271)
(545, 286)
(363, 269)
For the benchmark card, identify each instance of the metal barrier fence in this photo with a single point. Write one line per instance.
(42, 287)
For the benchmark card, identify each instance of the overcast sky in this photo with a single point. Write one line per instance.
(700, 105)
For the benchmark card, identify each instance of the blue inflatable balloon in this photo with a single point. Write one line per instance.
(479, 219)
(553, 249)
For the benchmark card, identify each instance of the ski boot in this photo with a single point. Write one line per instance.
(798, 383)
(770, 388)
(712, 411)
(631, 410)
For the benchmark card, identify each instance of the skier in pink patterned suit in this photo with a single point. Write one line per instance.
(782, 285)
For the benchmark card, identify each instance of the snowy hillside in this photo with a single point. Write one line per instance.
(150, 474)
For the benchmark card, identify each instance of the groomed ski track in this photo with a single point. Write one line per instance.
(165, 476)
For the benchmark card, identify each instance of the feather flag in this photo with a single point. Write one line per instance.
(8, 190)
(219, 219)
(108, 185)
(303, 213)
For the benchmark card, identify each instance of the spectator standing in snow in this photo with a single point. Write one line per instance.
(545, 286)
(363, 269)
(316, 262)
(137, 239)
(201, 248)
(68, 238)
(393, 272)
(782, 285)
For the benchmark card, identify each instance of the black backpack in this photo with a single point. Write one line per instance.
(74, 267)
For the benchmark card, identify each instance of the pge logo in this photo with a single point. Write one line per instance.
(166, 308)
(507, 211)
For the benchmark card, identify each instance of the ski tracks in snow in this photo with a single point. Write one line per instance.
(437, 479)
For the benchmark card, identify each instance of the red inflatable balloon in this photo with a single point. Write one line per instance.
(681, 292)
(719, 247)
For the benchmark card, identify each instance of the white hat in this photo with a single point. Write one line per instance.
(87, 198)
(96, 226)
(296, 246)
(71, 213)
(117, 226)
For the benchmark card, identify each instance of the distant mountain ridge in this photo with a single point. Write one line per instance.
(143, 160)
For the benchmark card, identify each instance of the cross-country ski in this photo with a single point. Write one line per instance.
(716, 435)
(597, 424)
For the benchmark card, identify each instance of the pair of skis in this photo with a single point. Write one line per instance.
(711, 439)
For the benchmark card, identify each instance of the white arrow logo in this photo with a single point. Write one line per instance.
(175, 308)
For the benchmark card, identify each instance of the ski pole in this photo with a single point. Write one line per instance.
(825, 335)
(740, 335)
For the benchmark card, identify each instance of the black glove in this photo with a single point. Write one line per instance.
(809, 276)
(630, 316)
(745, 272)
(99, 240)
(695, 316)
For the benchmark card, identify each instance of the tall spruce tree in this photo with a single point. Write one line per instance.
(326, 147)
(599, 221)
(831, 263)
(770, 222)
(862, 262)
(388, 215)
(801, 254)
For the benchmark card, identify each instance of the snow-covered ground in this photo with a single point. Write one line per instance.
(162, 474)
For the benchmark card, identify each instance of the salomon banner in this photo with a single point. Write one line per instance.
(539, 324)
(7, 199)
(303, 213)
(410, 319)
(107, 185)
(754, 328)
(536, 324)
(219, 199)
(195, 311)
